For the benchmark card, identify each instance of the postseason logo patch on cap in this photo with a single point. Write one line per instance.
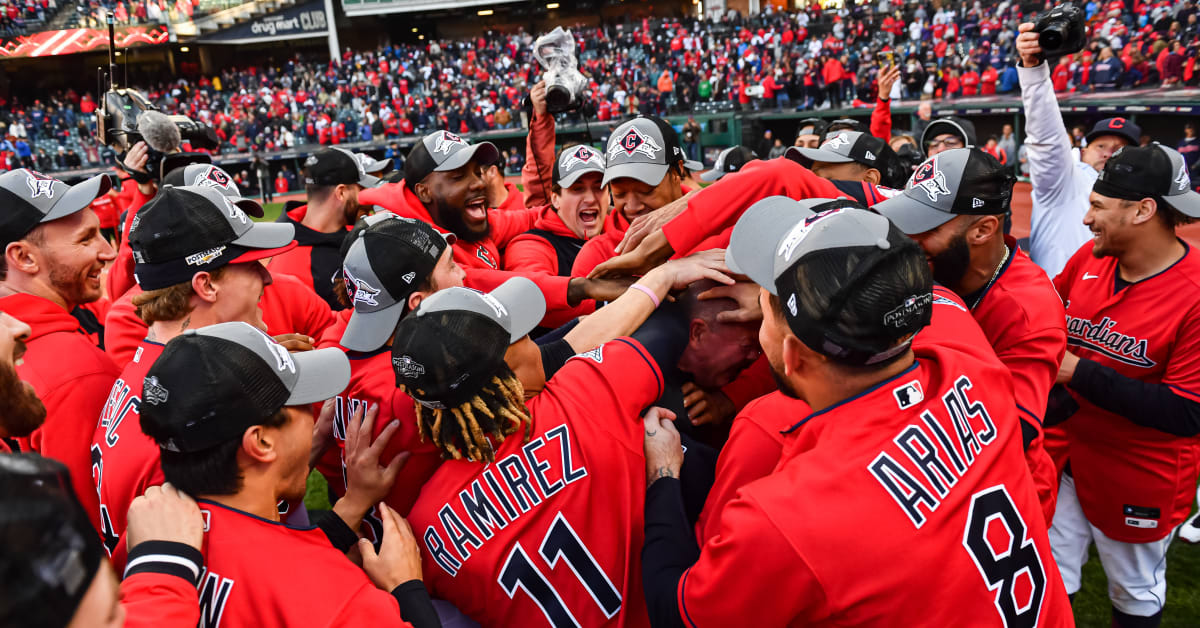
(635, 141)
(787, 247)
(899, 316)
(931, 180)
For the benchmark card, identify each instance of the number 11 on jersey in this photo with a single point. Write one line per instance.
(519, 572)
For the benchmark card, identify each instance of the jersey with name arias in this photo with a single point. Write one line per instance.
(1135, 483)
(551, 533)
(262, 573)
(757, 436)
(125, 462)
(923, 477)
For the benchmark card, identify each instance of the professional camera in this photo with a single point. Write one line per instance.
(555, 51)
(121, 110)
(1062, 31)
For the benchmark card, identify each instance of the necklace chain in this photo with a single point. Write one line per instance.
(995, 274)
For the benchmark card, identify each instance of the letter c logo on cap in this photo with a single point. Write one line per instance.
(1117, 123)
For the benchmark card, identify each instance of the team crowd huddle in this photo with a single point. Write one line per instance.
(631, 391)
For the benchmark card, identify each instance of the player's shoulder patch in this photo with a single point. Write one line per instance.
(596, 354)
(908, 394)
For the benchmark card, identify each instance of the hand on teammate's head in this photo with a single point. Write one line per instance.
(164, 513)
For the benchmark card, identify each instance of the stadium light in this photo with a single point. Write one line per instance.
(415, 29)
(552, 5)
(486, 12)
(184, 49)
(421, 37)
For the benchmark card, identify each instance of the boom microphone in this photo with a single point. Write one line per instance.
(159, 131)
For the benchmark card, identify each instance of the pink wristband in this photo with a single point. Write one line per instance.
(648, 292)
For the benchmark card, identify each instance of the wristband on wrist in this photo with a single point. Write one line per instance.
(648, 292)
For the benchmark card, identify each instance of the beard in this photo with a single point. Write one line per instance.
(452, 220)
(71, 284)
(21, 411)
(784, 387)
(951, 265)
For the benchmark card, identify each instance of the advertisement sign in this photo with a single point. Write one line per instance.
(75, 40)
(295, 22)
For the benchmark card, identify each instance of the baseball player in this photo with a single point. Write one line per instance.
(442, 187)
(45, 525)
(54, 257)
(856, 162)
(576, 213)
(645, 171)
(926, 448)
(391, 266)
(954, 206)
(333, 181)
(529, 486)
(1133, 330)
(729, 160)
(197, 259)
(238, 450)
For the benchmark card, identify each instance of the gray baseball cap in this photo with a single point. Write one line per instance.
(455, 341)
(388, 261)
(442, 151)
(336, 166)
(574, 162)
(844, 147)
(212, 383)
(645, 149)
(960, 181)
(851, 286)
(1154, 170)
(30, 198)
(729, 160)
(372, 166)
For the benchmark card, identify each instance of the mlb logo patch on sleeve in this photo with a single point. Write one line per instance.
(909, 394)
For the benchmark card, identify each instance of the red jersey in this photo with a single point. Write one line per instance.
(574, 495)
(1149, 331)
(72, 376)
(933, 458)
(125, 462)
(305, 581)
(1022, 317)
(372, 381)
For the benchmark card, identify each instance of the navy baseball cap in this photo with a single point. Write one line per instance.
(1120, 127)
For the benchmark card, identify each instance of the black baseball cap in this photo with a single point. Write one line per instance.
(845, 124)
(51, 551)
(574, 162)
(1120, 127)
(644, 149)
(1151, 171)
(454, 343)
(963, 128)
(186, 230)
(30, 198)
(812, 126)
(852, 286)
(336, 166)
(208, 175)
(212, 383)
(960, 181)
(387, 262)
(729, 160)
(844, 147)
(442, 151)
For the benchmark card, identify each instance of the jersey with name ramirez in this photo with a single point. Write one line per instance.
(264, 574)
(1135, 483)
(550, 533)
(125, 462)
(931, 460)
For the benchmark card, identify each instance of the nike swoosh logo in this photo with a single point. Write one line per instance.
(1087, 276)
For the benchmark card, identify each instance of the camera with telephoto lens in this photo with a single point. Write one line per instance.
(1062, 31)
(555, 51)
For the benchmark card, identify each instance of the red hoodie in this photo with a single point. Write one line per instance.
(120, 274)
(73, 378)
(529, 252)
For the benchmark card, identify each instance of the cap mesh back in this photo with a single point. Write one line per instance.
(216, 388)
(398, 247)
(444, 358)
(856, 297)
(51, 551)
(986, 179)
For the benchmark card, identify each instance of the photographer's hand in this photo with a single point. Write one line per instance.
(1028, 46)
(537, 96)
(135, 160)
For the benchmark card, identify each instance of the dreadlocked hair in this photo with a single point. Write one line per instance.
(497, 410)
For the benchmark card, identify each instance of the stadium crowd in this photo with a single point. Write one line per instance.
(811, 59)
(821, 386)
